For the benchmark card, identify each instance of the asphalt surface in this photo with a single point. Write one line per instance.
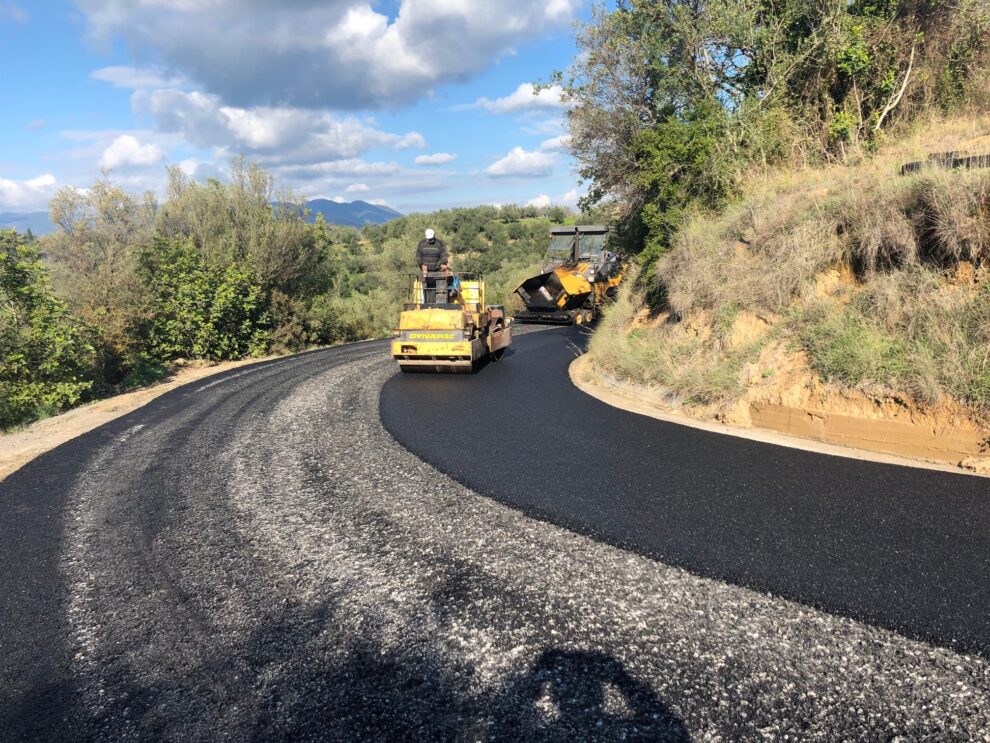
(254, 556)
(907, 549)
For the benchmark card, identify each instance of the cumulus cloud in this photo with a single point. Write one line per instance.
(133, 78)
(540, 202)
(358, 188)
(437, 158)
(325, 54)
(284, 135)
(569, 199)
(30, 194)
(126, 151)
(556, 144)
(524, 99)
(339, 169)
(520, 163)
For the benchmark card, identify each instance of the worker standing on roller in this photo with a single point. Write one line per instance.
(432, 257)
(431, 254)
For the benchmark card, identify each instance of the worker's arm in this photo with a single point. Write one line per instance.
(444, 258)
(419, 258)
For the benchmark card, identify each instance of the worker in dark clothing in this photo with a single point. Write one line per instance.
(432, 258)
(431, 254)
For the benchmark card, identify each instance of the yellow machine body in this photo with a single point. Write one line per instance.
(456, 331)
(579, 276)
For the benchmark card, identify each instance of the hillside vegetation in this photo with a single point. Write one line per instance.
(127, 287)
(759, 168)
(873, 277)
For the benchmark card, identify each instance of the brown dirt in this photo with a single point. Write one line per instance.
(20, 447)
(654, 404)
(834, 283)
(783, 395)
(747, 329)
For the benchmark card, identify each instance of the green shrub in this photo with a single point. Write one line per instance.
(45, 361)
(845, 346)
(198, 310)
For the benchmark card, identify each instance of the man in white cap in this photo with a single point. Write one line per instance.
(431, 254)
(431, 257)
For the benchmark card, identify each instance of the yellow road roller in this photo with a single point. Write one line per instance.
(579, 276)
(448, 327)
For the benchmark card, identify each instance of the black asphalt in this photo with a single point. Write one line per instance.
(901, 548)
(39, 689)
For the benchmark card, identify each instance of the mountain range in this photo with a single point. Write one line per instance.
(352, 214)
(37, 222)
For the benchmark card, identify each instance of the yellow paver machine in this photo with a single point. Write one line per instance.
(448, 327)
(579, 276)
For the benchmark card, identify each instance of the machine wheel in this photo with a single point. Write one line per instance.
(589, 316)
(578, 317)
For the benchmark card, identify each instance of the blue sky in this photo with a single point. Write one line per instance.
(420, 104)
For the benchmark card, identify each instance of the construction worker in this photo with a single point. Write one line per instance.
(431, 254)
(432, 258)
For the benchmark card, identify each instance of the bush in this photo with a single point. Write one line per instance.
(45, 361)
(198, 310)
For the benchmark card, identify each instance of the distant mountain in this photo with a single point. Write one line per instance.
(37, 222)
(353, 214)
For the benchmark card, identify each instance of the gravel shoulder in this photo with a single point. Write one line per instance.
(20, 447)
(260, 559)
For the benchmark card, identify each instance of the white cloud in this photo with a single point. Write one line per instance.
(37, 125)
(125, 151)
(357, 188)
(378, 202)
(332, 54)
(133, 78)
(271, 135)
(520, 163)
(32, 194)
(524, 99)
(556, 144)
(342, 170)
(437, 158)
(569, 199)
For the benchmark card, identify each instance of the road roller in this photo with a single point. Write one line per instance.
(579, 276)
(448, 327)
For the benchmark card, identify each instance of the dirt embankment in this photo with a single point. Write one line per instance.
(781, 394)
(20, 447)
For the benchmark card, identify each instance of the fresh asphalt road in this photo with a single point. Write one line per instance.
(255, 557)
(907, 549)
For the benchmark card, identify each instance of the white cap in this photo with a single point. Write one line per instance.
(430, 234)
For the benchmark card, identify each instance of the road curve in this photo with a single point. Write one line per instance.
(906, 549)
(254, 557)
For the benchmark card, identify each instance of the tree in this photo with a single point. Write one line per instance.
(45, 361)
(244, 221)
(671, 100)
(94, 252)
(198, 310)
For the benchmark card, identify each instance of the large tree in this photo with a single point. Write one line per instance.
(670, 100)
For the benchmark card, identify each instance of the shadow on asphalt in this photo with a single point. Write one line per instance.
(327, 670)
(371, 694)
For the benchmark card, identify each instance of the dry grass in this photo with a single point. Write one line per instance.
(694, 368)
(906, 325)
